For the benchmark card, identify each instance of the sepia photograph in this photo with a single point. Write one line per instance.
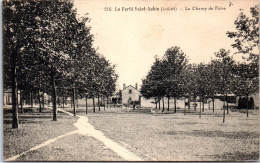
(130, 80)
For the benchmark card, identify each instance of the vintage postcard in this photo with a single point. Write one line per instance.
(129, 80)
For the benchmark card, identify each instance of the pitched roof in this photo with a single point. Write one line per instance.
(130, 86)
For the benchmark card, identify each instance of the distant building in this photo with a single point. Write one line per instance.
(7, 98)
(130, 94)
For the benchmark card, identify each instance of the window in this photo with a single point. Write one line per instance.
(130, 91)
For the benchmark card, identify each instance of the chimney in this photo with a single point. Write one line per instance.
(124, 86)
(136, 86)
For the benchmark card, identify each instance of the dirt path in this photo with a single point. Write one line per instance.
(86, 129)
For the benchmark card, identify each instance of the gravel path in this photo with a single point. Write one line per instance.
(86, 128)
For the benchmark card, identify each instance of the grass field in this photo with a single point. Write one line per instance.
(152, 136)
(179, 137)
(34, 129)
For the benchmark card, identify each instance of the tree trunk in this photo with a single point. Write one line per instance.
(202, 104)
(227, 104)
(54, 100)
(227, 108)
(35, 98)
(73, 100)
(175, 105)
(17, 94)
(86, 104)
(223, 111)
(31, 99)
(107, 102)
(247, 106)
(155, 103)
(104, 102)
(168, 103)
(40, 104)
(189, 102)
(98, 104)
(184, 106)
(43, 101)
(159, 104)
(195, 107)
(94, 107)
(200, 109)
(163, 104)
(213, 104)
(77, 102)
(21, 101)
(14, 94)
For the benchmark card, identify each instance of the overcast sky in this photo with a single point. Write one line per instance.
(131, 39)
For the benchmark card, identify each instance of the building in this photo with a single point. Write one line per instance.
(130, 94)
(7, 97)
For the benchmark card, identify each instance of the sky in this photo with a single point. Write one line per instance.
(131, 39)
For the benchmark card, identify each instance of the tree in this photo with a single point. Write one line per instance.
(165, 77)
(212, 83)
(56, 30)
(247, 35)
(202, 77)
(191, 85)
(80, 55)
(152, 85)
(223, 67)
(246, 42)
(16, 36)
(43, 41)
(174, 63)
(109, 81)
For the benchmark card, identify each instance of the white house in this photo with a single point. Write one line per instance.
(130, 93)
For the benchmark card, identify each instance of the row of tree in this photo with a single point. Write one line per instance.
(173, 77)
(47, 49)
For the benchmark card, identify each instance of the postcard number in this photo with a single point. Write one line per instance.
(107, 8)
